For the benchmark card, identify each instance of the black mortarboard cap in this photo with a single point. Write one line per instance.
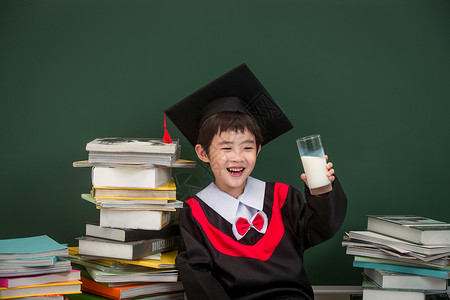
(237, 90)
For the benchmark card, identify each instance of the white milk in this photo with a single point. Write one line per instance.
(316, 171)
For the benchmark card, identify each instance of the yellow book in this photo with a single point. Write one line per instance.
(167, 260)
(56, 288)
(169, 186)
(165, 193)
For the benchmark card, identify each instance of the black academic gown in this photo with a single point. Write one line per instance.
(214, 265)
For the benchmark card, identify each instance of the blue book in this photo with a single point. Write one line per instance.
(31, 247)
(29, 262)
(403, 269)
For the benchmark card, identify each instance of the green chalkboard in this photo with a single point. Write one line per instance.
(372, 77)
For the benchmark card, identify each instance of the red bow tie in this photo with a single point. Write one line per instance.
(242, 225)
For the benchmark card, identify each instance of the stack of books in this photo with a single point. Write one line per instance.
(402, 256)
(131, 251)
(36, 267)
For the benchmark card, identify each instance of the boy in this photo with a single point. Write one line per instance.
(244, 238)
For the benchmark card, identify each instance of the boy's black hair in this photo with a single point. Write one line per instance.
(224, 121)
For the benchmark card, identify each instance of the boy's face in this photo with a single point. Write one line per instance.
(232, 157)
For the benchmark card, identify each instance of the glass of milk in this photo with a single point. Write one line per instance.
(314, 164)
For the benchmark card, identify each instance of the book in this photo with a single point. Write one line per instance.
(136, 219)
(31, 247)
(56, 288)
(167, 261)
(170, 206)
(91, 296)
(147, 275)
(128, 235)
(131, 291)
(393, 280)
(387, 266)
(394, 255)
(381, 239)
(378, 294)
(40, 279)
(163, 205)
(149, 178)
(158, 159)
(416, 229)
(93, 246)
(140, 145)
(60, 266)
(179, 163)
(47, 297)
(166, 191)
(29, 262)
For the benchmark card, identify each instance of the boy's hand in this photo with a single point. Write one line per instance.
(329, 173)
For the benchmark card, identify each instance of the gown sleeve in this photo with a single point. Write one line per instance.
(319, 218)
(194, 262)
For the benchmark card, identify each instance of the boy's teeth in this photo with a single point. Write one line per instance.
(235, 170)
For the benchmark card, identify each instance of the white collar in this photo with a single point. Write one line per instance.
(226, 205)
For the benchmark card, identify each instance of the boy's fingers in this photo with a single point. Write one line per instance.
(330, 172)
(303, 176)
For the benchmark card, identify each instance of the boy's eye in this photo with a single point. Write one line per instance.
(248, 148)
(226, 148)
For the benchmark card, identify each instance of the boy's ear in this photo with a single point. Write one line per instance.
(259, 149)
(201, 153)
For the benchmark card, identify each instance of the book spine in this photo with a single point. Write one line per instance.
(164, 244)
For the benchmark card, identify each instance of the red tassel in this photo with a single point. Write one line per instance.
(166, 137)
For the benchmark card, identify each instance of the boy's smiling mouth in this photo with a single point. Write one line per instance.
(236, 171)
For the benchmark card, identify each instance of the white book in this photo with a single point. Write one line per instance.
(13, 282)
(393, 280)
(379, 294)
(141, 145)
(65, 287)
(136, 219)
(131, 178)
(415, 229)
(374, 237)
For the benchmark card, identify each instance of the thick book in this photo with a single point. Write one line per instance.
(394, 280)
(381, 294)
(56, 288)
(136, 219)
(40, 279)
(131, 178)
(416, 229)
(179, 163)
(31, 247)
(167, 191)
(140, 145)
(131, 291)
(128, 235)
(158, 159)
(99, 247)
